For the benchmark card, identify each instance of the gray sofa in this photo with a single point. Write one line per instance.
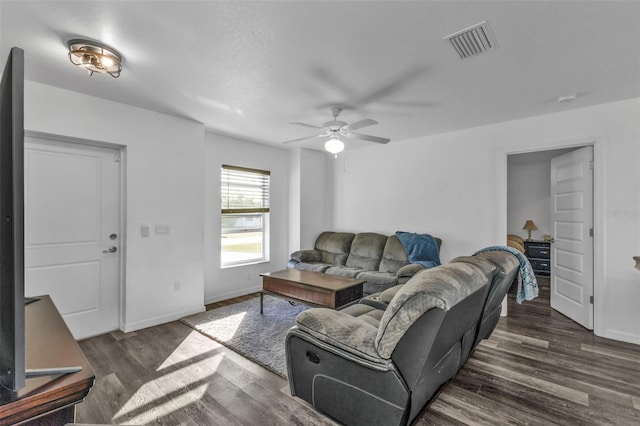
(379, 363)
(379, 259)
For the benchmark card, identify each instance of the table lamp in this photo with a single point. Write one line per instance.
(529, 226)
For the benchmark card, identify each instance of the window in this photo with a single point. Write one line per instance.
(245, 215)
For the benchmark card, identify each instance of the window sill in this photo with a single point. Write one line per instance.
(249, 263)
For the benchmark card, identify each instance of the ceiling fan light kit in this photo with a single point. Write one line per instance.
(335, 129)
(95, 56)
(334, 146)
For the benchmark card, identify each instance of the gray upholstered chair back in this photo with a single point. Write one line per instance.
(366, 251)
(490, 269)
(441, 287)
(334, 246)
(507, 268)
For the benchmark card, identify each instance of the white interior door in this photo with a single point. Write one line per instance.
(72, 231)
(572, 250)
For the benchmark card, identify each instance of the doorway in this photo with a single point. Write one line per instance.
(73, 230)
(533, 197)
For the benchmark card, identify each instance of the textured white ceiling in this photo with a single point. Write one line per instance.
(247, 69)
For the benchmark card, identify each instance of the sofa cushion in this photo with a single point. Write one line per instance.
(485, 265)
(366, 251)
(367, 313)
(505, 262)
(441, 287)
(340, 330)
(334, 246)
(394, 256)
(343, 271)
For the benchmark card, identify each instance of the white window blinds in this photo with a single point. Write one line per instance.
(244, 190)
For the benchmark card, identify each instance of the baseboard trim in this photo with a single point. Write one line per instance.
(232, 294)
(163, 319)
(622, 336)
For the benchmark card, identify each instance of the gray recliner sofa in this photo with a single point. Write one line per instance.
(379, 259)
(507, 267)
(378, 363)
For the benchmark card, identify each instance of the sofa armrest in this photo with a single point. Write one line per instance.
(390, 293)
(307, 256)
(341, 330)
(409, 270)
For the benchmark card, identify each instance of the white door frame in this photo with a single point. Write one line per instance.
(599, 283)
(122, 230)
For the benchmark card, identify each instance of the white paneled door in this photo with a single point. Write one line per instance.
(72, 231)
(572, 250)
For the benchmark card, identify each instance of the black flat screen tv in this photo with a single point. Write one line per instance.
(12, 308)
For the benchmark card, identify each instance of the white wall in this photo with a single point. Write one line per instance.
(433, 185)
(529, 191)
(164, 185)
(295, 198)
(316, 200)
(453, 185)
(310, 197)
(221, 284)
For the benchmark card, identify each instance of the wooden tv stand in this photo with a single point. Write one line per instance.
(48, 400)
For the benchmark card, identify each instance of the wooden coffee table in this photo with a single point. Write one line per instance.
(311, 288)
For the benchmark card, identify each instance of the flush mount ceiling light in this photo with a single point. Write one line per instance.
(334, 145)
(95, 57)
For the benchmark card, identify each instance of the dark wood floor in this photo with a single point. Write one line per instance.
(538, 368)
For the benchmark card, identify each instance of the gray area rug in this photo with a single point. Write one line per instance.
(242, 328)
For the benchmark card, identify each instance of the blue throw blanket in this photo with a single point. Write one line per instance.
(421, 248)
(527, 284)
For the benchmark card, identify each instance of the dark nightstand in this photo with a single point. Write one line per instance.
(539, 255)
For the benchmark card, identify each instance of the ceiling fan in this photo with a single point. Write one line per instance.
(334, 129)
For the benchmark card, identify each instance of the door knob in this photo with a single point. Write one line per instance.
(111, 249)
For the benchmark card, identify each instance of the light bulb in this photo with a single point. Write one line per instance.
(107, 61)
(334, 145)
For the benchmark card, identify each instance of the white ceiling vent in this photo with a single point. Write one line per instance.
(472, 40)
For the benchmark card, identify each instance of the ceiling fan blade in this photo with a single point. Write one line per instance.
(360, 124)
(391, 87)
(302, 139)
(370, 138)
(306, 125)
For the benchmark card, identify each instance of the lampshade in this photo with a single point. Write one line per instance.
(529, 226)
(334, 145)
(95, 57)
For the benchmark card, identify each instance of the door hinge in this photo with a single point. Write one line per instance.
(591, 164)
(116, 157)
(591, 299)
(591, 232)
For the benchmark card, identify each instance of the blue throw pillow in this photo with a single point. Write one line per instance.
(421, 248)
